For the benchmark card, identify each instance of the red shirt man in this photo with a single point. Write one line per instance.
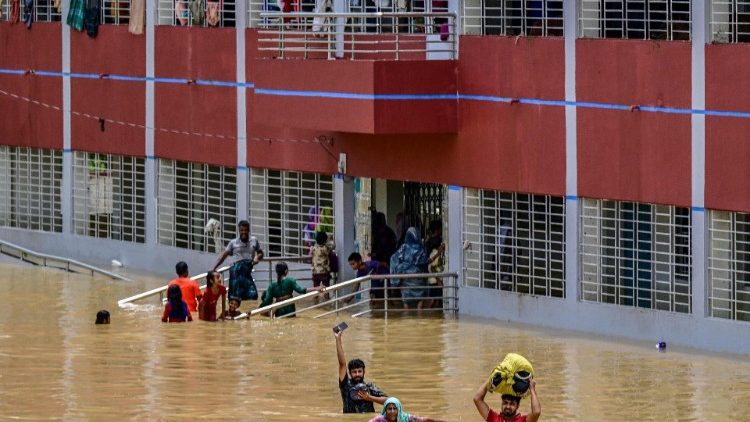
(509, 406)
(191, 292)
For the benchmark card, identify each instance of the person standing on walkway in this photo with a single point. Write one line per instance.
(246, 253)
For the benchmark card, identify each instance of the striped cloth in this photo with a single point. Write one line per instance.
(76, 14)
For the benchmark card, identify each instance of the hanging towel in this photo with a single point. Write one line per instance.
(197, 11)
(137, 15)
(28, 12)
(76, 14)
(15, 7)
(91, 18)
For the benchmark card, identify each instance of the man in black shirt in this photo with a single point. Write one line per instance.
(357, 395)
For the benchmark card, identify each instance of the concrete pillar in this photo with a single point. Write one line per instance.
(571, 158)
(455, 251)
(242, 171)
(345, 228)
(151, 164)
(67, 181)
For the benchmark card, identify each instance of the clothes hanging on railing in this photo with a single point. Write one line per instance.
(76, 14)
(197, 11)
(91, 21)
(15, 8)
(137, 16)
(28, 12)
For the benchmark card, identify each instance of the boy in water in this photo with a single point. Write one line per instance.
(234, 308)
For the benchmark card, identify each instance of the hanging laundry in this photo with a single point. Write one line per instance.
(15, 7)
(198, 11)
(28, 12)
(91, 18)
(137, 15)
(1, 9)
(57, 4)
(76, 14)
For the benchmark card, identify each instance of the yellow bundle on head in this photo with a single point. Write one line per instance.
(511, 376)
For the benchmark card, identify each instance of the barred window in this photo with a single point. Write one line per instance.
(196, 13)
(730, 21)
(635, 19)
(636, 254)
(287, 208)
(44, 10)
(30, 188)
(513, 17)
(729, 265)
(109, 196)
(197, 205)
(116, 12)
(516, 242)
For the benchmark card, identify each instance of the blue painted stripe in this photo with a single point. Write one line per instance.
(374, 97)
(698, 209)
(242, 168)
(571, 198)
(454, 187)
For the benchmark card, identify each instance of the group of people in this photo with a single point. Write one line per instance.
(359, 396)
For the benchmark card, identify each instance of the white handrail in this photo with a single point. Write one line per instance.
(67, 261)
(338, 287)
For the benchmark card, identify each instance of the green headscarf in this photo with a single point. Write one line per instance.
(402, 416)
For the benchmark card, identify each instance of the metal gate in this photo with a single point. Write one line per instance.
(423, 202)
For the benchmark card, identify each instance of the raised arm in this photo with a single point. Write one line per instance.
(220, 260)
(536, 407)
(482, 406)
(340, 355)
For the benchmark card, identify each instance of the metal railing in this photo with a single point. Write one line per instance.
(513, 17)
(368, 36)
(377, 304)
(635, 19)
(224, 270)
(45, 260)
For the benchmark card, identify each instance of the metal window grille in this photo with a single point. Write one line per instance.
(44, 10)
(635, 19)
(115, 12)
(730, 21)
(287, 208)
(516, 242)
(109, 196)
(189, 196)
(30, 184)
(635, 254)
(729, 265)
(255, 7)
(219, 13)
(363, 215)
(513, 17)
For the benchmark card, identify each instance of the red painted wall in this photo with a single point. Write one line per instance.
(727, 138)
(634, 156)
(196, 53)
(117, 100)
(511, 147)
(23, 123)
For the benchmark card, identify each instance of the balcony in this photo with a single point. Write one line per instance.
(372, 73)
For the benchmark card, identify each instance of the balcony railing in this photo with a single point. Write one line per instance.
(363, 36)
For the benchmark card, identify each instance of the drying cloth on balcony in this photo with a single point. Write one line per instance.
(137, 16)
(91, 20)
(14, 10)
(76, 14)
(28, 12)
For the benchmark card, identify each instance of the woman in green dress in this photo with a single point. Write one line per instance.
(282, 289)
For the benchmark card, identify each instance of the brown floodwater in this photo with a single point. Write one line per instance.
(55, 363)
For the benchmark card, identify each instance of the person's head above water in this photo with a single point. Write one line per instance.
(393, 411)
(102, 317)
(356, 370)
(243, 227)
(234, 303)
(181, 268)
(174, 294)
(281, 271)
(510, 405)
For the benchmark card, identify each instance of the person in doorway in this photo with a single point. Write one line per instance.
(364, 268)
(435, 249)
(357, 395)
(102, 317)
(384, 241)
(321, 265)
(214, 291)
(393, 412)
(410, 259)
(510, 406)
(191, 292)
(176, 309)
(246, 252)
(282, 289)
(234, 308)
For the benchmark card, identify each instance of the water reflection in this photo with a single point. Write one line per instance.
(58, 364)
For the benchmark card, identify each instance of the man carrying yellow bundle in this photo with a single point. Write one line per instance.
(513, 378)
(509, 407)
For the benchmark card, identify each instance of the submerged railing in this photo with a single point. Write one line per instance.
(223, 271)
(369, 36)
(46, 260)
(448, 302)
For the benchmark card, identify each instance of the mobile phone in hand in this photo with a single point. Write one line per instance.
(341, 327)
